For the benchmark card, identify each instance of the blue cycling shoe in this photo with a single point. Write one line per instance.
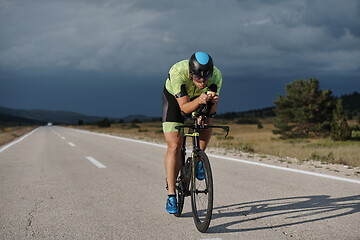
(171, 204)
(200, 174)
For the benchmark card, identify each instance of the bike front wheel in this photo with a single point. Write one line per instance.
(202, 193)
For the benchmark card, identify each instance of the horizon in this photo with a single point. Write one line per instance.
(153, 116)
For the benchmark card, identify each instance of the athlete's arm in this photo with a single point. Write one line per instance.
(188, 106)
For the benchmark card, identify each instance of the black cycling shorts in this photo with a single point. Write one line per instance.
(171, 108)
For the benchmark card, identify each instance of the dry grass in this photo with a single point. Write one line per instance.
(248, 138)
(142, 131)
(245, 138)
(8, 134)
(263, 141)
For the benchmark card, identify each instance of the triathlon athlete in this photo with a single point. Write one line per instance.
(190, 83)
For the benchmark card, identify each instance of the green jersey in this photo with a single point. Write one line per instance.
(179, 83)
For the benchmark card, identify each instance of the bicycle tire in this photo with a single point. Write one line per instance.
(181, 184)
(202, 194)
(180, 193)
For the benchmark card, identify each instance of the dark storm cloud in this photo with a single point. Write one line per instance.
(139, 40)
(123, 35)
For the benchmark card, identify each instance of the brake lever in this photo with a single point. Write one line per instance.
(199, 111)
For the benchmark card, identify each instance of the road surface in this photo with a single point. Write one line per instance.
(61, 183)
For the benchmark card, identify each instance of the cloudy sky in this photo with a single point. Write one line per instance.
(111, 58)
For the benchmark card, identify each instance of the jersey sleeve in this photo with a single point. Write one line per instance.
(217, 80)
(177, 83)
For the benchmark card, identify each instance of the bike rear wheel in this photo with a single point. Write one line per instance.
(182, 184)
(202, 193)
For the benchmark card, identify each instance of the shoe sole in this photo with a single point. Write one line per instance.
(171, 212)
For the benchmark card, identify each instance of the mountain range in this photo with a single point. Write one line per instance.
(9, 116)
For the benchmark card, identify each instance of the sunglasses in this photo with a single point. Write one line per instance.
(198, 78)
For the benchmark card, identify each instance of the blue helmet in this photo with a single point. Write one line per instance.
(201, 64)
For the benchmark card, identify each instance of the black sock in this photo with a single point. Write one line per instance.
(171, 195)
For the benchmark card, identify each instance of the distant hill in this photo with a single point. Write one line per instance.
(8, 120)
(257, 113)
(140, 118)
(9, 116)
(351, 105)
(48, 116)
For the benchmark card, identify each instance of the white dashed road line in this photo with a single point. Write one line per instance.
(95, 162)
(91, 159)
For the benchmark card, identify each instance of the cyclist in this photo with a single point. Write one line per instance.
(186, 88)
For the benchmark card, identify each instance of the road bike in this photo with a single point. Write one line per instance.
(188, 184)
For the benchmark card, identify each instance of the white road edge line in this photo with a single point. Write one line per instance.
(95, 162)
(287, 169)
(17, 140)
(71, 144)
(235, 159)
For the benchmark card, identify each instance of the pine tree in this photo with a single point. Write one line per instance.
(340, 129)
(305, 111)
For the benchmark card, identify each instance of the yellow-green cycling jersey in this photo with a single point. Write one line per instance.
(179, 82)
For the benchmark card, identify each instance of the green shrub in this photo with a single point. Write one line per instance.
(247, 121)
(103, 123)
(245, 147)
(130, 126)
(340, 129)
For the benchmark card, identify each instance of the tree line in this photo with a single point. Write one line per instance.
(306, 111)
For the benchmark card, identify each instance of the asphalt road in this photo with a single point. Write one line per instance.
(60, 183)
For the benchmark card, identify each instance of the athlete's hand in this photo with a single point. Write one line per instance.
(211, 94)
(215, 99)
(203, 98)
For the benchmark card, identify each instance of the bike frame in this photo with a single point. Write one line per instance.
(195, 135)
(187, 174)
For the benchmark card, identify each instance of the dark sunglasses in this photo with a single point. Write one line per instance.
(197, 78)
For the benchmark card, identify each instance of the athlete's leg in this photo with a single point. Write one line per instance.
(205, 135)
(172, 159)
